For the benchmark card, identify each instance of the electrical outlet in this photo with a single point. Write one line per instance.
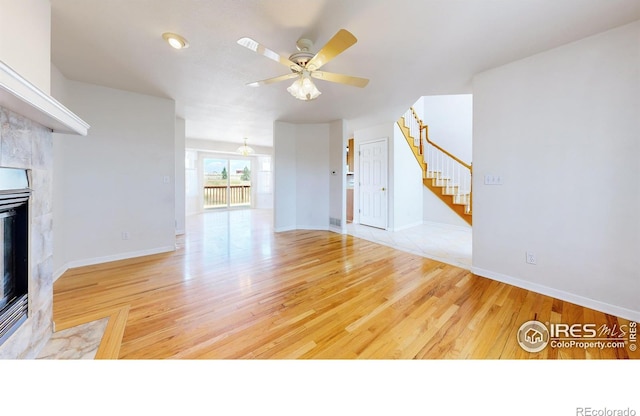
(531, 258)
(125, 235)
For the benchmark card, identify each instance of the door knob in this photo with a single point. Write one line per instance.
(384, 189)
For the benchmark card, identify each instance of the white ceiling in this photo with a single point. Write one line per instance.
(407, 48)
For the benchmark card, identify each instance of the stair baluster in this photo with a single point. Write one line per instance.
(445, 174)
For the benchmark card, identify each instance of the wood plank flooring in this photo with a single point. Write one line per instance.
(234, 289)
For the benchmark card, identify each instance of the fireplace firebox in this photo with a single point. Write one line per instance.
(14, 256)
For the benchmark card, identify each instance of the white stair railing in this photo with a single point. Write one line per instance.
(449, 172)
(411, 122)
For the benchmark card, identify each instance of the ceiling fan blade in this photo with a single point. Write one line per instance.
(272, 80)
(340, 42)
(264, 51)
(339, 78)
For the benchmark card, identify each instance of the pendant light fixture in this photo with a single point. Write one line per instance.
(303, 88)
(245, 150)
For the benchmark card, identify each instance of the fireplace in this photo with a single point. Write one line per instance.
(29, 117)
(14, 256)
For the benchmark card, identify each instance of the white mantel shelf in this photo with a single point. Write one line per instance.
(22, 97)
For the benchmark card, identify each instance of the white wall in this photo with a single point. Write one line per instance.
(193, 196)
(25, 39)
(217, 146)
(58, 85)
(438, 212)
(119, 178)
(450, 121)
(562, 130)
(263, 182)
(179, 173)
(285, 170)
(338, 180)
(312, 176)
(407, 184)
(301, 176)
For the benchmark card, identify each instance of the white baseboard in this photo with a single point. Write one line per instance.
(105, 259)
(60, 272)
(404, 227)
(301, 227)
(313, 227)
(338, 230)
(446, 224)
(560, 294)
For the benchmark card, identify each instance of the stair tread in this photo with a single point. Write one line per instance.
(443, 187)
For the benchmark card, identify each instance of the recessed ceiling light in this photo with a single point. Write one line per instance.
(176, 41)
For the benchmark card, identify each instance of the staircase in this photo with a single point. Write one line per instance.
(444, 174)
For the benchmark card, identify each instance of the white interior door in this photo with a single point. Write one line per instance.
(373, 183)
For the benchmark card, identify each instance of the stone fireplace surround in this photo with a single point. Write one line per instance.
(28, 118)
(27, 145)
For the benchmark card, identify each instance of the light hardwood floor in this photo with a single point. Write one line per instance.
(236, 289)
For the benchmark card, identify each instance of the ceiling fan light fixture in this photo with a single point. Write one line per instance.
(175, 41)
(305, 64)
(304, 89)
(245, 150)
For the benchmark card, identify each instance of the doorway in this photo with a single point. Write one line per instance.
(227, 183)
(373, 199)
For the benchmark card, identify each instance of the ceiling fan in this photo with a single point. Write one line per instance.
(305, 64)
